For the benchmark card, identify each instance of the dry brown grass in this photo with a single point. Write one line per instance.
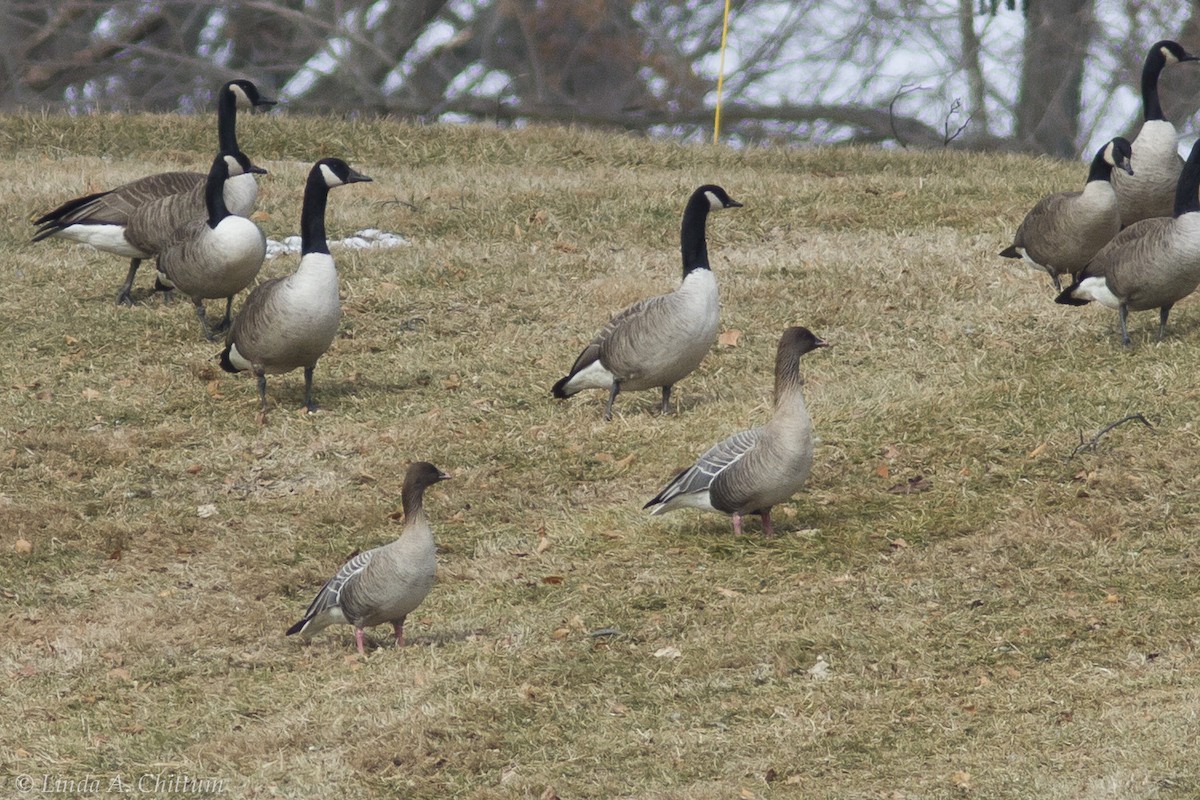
(1024, 627)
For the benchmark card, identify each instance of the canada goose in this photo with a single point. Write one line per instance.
(755, 469)
(99, 219)
(658, 340)
(1062, 232)
(215, 256)
(1154, 263)
(387, 583)
(1150, 190)
(289, 322)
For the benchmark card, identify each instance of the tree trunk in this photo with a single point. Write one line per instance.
(1056, 43)
(977, 108)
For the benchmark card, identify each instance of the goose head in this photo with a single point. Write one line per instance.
(1170, 52)
(800, 340)
(240, 164)
(1117, 154)
(422, 474)
(245, 94)
(336, 172)
(717, 197)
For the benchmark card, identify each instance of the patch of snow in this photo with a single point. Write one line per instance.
(371, 238)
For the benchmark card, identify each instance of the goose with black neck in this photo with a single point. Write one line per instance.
(1150, 190)
(1153, 263)
(659, 340)
(289, 322)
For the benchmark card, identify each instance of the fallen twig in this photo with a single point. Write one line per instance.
(1092, 443)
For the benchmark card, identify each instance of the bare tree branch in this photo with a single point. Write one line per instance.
(1094, 442)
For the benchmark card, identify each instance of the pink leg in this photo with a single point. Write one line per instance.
(358, 637)
(737, 524)
(399, 628)
(768, 531)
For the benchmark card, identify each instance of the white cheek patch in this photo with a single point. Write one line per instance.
(1168, 55)
(331, 177)
(233, 166)
(713, 202)
(1110, 155)
(240, 96)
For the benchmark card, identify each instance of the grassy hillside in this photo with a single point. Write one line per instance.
(959, 605)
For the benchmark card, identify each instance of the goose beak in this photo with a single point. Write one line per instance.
(265, 103)
(822, 343)
(1127, 167)
(442, 476)
(357, 177)
(255, 169)
(733, 204)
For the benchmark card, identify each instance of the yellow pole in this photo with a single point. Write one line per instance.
(721, 74)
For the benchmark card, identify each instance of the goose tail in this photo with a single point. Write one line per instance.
(559, 389)
(298, 627)
(1069, 296)
(227, 365)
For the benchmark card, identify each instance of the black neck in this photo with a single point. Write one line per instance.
(1151, 107)
(227, 121)
(1101, 170)
(312, 216)
(691, 235)
(1187, 198)
(214, 192)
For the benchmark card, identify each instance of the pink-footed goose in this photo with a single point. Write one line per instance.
(214, 256)
(1150, 190)
(755, 469)
(1153, 263)
(99, 219)
(289, 322)
(659, 340)
(1062, 232)
(387, 583)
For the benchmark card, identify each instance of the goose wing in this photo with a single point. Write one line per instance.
(115, 206)
(699, 478)
(330, 596)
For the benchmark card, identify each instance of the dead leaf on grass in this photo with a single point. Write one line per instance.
(913, 485)
(90, 394)
(961, 779)
(1037, 451)
(721, 590)
(729, 338)
(668, 652)
(207, 510)
(883, 471)
(23, 546)
(553, 580)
